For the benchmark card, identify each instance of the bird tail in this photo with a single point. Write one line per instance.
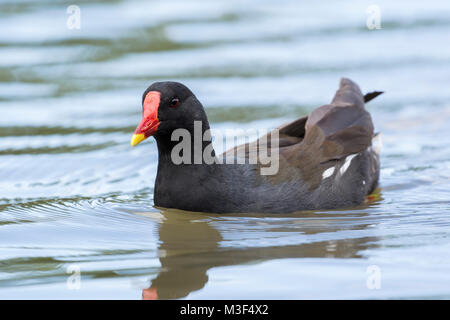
(371, 95)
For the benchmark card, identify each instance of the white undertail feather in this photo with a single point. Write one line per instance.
(377, 143)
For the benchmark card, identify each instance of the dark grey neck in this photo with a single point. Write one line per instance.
(179, 184)
(195, 150)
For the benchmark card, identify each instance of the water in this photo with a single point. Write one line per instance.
(75, 196)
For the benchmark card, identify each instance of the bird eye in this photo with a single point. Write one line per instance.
(175, 103)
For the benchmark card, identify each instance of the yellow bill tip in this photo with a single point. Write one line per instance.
(137, 138)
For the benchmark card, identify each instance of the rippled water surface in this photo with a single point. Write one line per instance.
(75, 196)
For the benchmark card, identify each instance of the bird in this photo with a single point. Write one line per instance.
(328, 159)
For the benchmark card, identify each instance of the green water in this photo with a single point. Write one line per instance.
(73, 194)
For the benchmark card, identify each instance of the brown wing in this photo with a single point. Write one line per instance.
(289, 134)
(341, 128)
(330, 132)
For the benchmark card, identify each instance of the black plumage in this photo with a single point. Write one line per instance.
(326, 160)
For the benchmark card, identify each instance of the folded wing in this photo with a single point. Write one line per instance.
(342, 127)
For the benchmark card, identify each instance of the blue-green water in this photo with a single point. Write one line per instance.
(73, 194)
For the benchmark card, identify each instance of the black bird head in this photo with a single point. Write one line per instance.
(167, 106)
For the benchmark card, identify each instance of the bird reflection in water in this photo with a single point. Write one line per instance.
(190, 244)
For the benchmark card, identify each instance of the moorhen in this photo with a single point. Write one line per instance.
(325, 160)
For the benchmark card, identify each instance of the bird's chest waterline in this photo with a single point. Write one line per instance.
(187, 187)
